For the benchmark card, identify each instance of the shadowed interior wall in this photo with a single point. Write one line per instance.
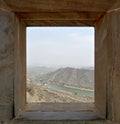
(107, 60)
(113, 38)
(8, 37)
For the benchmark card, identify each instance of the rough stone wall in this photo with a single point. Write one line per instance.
(101, 57)
(7, 61)
(114, 80)
(61, 122)
(107, 53)
(108, 61)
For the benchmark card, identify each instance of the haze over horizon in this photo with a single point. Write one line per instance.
(60, 47)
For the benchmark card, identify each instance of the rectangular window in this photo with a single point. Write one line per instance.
(60, 65)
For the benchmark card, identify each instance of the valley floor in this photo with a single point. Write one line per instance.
(42, 94)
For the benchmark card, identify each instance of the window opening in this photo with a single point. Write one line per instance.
(60, 64)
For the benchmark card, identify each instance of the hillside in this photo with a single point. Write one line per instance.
(33, 73)
(71, 77)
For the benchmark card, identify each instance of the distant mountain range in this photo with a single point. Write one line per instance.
(40, 70)
(71, 77)
(33, 73)
(59, 84)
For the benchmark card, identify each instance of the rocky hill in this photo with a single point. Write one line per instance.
(33, 73)
(71, 77)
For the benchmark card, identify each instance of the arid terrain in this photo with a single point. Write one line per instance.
(64, 85)
(37, 93)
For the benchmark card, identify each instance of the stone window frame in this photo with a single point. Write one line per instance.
(54, 111)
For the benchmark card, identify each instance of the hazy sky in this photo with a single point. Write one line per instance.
(60, 46)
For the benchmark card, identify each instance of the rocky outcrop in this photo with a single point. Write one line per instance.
(71, 76)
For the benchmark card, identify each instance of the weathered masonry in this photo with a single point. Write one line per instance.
(16, 15)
